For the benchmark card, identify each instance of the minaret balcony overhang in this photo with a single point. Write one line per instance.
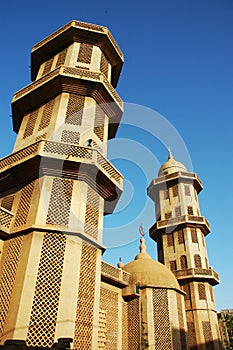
(169, 225)
(163, 182)
(204, 275)
(81, 32)
(62, 160)
(71, 80)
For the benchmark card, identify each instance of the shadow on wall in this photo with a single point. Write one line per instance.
(180, 339)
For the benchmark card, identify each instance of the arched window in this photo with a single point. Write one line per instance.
(183, 262)
(197, 261)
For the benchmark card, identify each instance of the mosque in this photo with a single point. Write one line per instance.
(56, 186)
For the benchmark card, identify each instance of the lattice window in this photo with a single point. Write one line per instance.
(173, 265)
(181, 237)
(104, 64)
(109, 303)
(43, 318)
(86, 298)
(41, 137)
(183, 262)
(201, 291)
(31, 120)
(186, 289)
(170, 240)
(85, 53)
(194, 235)
(192, 335)
(60, 200)
(168, 215)
(48, 66)
(7, 277)
(133, 324)
(209, 344)
(175, 191)
(187, 190)
(92, 213)
(7, 202)
(69, 136)
(75, 109)
(166, 194)
(46, 115)
(178, 211)
(162, 327)
(197, 261)
(190, 210)
(61, 58)
(24, 205)
(99, 123)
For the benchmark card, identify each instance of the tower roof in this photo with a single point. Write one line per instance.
(147, 272)
(171, 166)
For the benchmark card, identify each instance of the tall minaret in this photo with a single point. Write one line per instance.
(56, 186)
(180, 232)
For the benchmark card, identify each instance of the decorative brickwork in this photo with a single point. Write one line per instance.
(104, 65)
(180, 237)
(86, 295)
(183, 336)
(192, 336)
(197, 261)
(48, 66)
(175, 191)
(60, 199)
(7, 202)
(61, 58)
(109, 302)
(85, 53)
(46, 115)
(201, 291)
(170, 240)
(183, 262)
(194, 235)
(24, 205)
(125, 326)
(99, 123)
(31, 120)
(43, 318)
(7, 278)
(74, 109)
(92, 213)
(208, 335)
(70, 137)
(134, 324)
(102, 329)
(162, 327)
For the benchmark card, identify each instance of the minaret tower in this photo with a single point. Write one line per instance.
(56, 186)
(180, 232)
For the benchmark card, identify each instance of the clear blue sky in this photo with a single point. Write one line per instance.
(178, 62)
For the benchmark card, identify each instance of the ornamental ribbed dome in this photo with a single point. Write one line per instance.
(147, 272)
(171, 166)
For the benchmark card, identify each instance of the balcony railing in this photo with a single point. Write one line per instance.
(197, 273)
(180, 220)
(65, 152)
(114, 274)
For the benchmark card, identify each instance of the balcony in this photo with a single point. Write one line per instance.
(186, 220)
(197, 274)
(61, 159)
(70, 80)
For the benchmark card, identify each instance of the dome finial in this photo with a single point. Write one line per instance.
(170, 156)
(120, 265)
(143, 254)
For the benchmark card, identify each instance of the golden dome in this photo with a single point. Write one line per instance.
(171, 166)
(147, 272)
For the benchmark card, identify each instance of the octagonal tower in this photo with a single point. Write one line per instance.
(57, 185)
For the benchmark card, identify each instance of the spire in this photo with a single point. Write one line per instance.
(119, 264)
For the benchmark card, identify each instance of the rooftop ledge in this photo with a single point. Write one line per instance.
(114, 275)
